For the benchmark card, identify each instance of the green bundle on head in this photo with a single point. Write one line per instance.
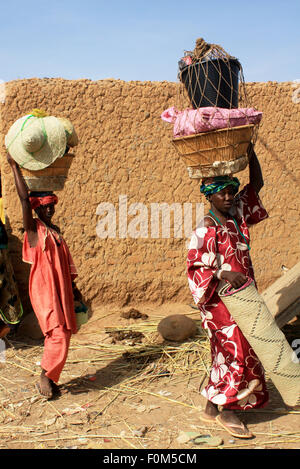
(218, 183)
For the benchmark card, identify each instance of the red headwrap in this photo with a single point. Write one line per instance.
(48, 199)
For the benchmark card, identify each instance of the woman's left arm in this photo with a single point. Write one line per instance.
(255, 172)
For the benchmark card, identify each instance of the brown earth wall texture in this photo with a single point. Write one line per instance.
(125, 150)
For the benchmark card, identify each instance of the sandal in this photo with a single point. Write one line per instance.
(229, 427)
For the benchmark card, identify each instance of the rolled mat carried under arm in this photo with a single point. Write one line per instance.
(251, 314)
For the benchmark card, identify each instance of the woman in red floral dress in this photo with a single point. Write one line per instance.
(218, 253)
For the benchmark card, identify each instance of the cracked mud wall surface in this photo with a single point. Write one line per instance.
(125, 157)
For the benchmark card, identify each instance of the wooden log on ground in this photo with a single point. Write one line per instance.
(288, 314)
(283, 296)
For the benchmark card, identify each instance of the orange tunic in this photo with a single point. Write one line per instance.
(50, 281)
(56, 348)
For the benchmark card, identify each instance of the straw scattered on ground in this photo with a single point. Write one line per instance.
(123, 387)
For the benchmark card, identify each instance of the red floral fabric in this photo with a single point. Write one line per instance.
(237, 378)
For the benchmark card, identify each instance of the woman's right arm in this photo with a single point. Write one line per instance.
(22, 190)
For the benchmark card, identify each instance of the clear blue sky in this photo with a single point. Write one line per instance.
(143, 40)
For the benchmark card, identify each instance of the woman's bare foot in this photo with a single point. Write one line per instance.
(233, 425)
(44, 386)
(210, 413)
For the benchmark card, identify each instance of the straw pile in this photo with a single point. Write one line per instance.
(140, 344)
(94, 413)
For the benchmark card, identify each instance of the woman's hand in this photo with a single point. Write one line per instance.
(236, 279)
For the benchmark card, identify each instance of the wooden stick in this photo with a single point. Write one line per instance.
(107, 405)
(8, 412)
(76, 437)
(160, 396)
(23, 367)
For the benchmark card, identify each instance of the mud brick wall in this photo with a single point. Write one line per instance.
(125, 155)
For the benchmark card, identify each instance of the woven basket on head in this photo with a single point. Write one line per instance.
(217, 153)
(269, 343)
(219, 145)
(210, 77)
(52, 178)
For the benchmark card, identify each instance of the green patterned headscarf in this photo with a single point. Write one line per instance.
(218, 183)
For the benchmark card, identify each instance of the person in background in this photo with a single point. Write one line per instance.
(52, 274)
(219, 252)
(2, 215)
(10, 304)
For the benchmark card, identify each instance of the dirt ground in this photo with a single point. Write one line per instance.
(118, 393)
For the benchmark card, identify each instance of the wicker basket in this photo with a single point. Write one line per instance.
(220, 145)
(52, 178)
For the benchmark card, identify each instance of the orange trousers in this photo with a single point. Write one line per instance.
(56, 347)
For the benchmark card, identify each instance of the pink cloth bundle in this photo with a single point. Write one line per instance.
(205, 119)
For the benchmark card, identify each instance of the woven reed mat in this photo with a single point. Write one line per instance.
(269, 343)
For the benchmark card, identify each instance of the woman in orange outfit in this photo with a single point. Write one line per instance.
(51, 279)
